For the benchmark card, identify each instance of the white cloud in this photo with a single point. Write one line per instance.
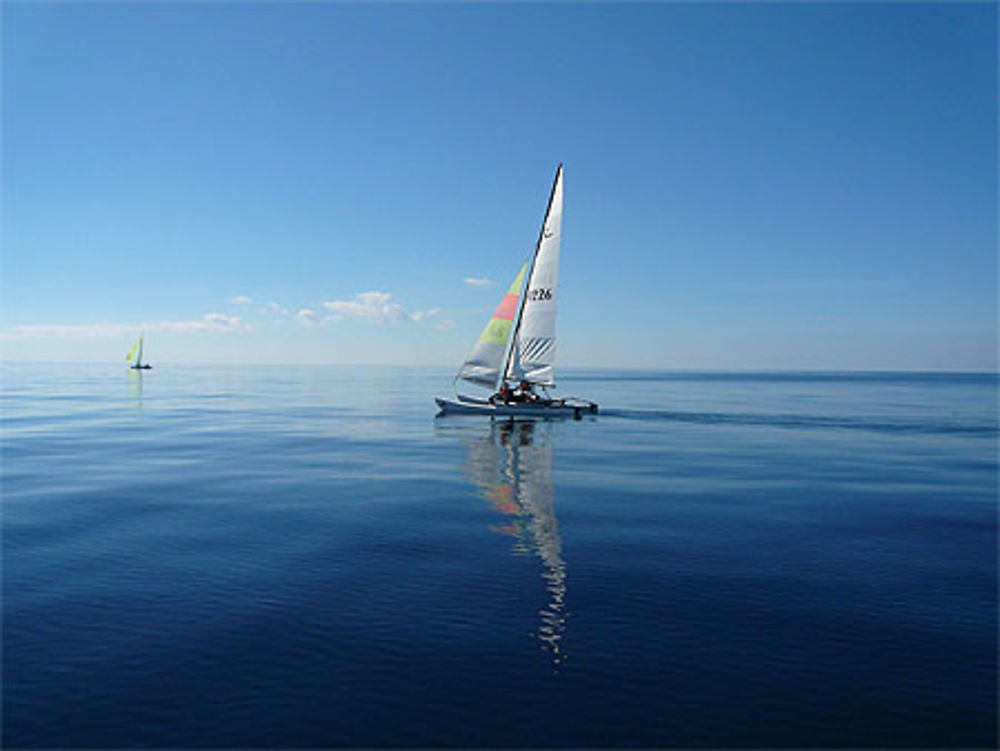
(241, 300)
(272, 308)
(444, 325)
(209, 323)
(375, 306)
(308, 317)
(419, 315)
(477, 281)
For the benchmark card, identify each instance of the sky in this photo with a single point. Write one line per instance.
(747, 186)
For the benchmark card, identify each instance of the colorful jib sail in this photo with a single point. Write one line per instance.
(482, 366)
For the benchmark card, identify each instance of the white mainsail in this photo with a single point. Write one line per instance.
(533, 353)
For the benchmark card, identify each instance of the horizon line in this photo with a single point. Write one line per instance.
(635, 369)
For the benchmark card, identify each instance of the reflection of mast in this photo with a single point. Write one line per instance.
(513, 468)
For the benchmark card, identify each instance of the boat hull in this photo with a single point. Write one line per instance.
(561, 408)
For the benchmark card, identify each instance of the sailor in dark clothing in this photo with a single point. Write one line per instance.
(503, 396)
(527, 393)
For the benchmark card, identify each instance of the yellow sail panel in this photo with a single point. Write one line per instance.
(131, 352)
(496, 331)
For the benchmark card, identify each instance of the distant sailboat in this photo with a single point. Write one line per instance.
(135, 356)
(529, 358)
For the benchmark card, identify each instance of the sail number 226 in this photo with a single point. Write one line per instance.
(540, 293)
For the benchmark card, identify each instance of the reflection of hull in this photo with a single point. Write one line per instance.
(468, 405)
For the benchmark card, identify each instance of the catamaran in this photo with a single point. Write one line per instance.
(527, 360)
(135, 356)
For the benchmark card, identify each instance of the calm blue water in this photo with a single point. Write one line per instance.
(273, 556)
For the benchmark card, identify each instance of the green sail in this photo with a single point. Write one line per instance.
(131, 352)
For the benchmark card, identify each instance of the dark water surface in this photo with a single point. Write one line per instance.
(272, 556)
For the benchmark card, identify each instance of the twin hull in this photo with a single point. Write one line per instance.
(467, 405)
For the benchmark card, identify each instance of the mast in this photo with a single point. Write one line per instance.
(138, 360)
(527, 284)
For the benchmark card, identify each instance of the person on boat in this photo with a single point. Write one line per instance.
(527, 393)
(503, 395)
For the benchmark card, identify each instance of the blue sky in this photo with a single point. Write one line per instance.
(747, 185)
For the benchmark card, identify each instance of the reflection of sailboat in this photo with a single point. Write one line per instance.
(512, 466)
(135, 356)
(135, 386)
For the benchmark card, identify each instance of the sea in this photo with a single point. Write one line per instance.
(308, 557)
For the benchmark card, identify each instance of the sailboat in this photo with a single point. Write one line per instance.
(135, 356)
(527, 356)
